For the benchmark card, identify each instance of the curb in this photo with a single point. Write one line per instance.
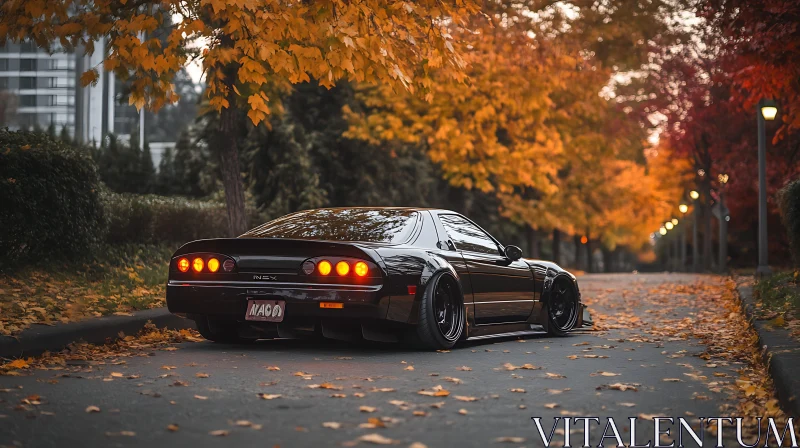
(781, 353)
(41, 338)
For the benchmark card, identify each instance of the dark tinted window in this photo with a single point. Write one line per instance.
(467, 236)
(27, 65)
(372, 225)
(27, 83)
(27, 100)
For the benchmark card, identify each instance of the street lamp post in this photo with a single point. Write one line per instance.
(670, 246)
(663, 232)
(676, 241)
(767, 110)
(695, 248)
(683, 208)
(723, 225)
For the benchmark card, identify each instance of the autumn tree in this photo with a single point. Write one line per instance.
(531, 126)
(763, 37)
(709, 121)
(250, 51)
(491, 133)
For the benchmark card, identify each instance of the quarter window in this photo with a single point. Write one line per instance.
(467, 236)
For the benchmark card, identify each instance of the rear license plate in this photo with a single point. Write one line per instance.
(265, 310)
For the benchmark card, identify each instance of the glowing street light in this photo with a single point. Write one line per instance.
(683, 208)
(674, 221)
(767, 110)
(694, 194)
(669, 225)
(662, 231)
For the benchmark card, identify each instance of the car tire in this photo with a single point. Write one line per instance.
(442, 317)
(222, 332)
(562, 308)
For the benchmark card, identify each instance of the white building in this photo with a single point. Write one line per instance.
(44, 86)
(47, 90)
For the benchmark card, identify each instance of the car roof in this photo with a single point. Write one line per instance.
(439, 210)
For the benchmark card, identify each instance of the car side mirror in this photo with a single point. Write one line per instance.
(513, 253)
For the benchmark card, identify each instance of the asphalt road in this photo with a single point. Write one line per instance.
(137, 412)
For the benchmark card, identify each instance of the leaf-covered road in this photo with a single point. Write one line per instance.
(650, 357)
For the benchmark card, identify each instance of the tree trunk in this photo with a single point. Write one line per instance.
(556, 246)
(707, 239)
(231, 171)
(608, 260)
(533, 242)
(577, 240)
(589, 264)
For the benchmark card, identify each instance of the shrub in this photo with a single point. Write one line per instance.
(151, 219)
(49, 199)
(789, 199)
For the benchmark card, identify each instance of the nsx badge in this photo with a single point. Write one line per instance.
(265, 277)
(265, 310)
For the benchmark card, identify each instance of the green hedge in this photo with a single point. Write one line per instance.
(53, 206)
(49, 199)
(789, 199)
(151, 219)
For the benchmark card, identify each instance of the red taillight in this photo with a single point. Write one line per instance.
(228, 265)
(213, 265)
(183, 264)
(361, 269)
(197, 264)
(324, 267)
(342, 268)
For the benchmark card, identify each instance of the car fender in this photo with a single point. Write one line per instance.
(550, 278)
(436, 265)
(411, 269)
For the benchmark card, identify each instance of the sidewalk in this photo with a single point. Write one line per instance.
(40, 338)
(780, 350)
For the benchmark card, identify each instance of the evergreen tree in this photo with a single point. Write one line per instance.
(121, 167)
(281, 171)
(164, 184)
(188, 169)
(147, 171)
(64, 135)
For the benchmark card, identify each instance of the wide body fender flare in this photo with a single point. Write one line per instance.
(405, 307)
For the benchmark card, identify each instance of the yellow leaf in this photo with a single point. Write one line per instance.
(18, 364)
(89, 77)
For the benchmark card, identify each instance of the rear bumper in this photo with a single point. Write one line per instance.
(229, 300)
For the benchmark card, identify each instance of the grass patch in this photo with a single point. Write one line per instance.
(780, 291)
(120, 280)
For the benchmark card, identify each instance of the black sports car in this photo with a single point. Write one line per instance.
(429, 276)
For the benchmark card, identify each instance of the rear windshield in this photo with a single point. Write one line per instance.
(370, 225)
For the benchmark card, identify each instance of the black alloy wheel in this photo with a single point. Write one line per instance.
(562, 309)
(442, 317)
(448, 311)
